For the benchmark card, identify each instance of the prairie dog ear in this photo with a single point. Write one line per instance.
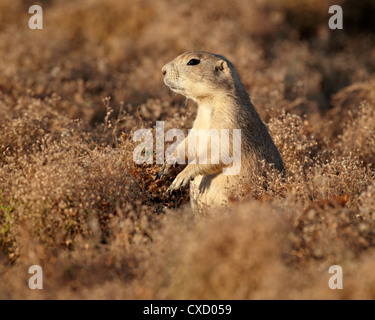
(222, 66)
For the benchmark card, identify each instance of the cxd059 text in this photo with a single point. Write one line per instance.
(209, 309)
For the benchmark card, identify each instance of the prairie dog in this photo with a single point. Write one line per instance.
(223, 103)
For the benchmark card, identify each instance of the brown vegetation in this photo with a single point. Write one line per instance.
(73, 201)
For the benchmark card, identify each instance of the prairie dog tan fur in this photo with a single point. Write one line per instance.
(223, 103)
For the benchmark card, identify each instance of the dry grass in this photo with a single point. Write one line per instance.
(73, 201)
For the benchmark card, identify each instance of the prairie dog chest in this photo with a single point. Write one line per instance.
(204, 117)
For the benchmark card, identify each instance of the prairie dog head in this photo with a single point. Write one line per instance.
(200, 75)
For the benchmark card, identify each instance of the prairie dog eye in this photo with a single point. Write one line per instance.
(193, 62)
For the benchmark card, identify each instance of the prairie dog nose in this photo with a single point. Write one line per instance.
(164, 70)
